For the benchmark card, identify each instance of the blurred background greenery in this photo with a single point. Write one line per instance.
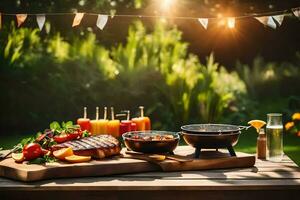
(180, 72)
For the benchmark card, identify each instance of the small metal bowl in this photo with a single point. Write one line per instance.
(150, 146)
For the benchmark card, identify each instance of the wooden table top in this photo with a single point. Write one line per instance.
(277, 180)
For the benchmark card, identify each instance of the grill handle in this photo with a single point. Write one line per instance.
(244, 127)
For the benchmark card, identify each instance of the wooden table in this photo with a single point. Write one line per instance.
(266, 180)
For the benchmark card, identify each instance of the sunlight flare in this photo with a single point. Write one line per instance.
(230, 22)
(167, 4)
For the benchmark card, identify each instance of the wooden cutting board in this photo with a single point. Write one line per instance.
(123, 165)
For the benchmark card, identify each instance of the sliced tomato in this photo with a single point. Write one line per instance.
(73, 136)
(61, 138)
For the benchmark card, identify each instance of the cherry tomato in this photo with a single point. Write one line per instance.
(61, 138)
(32, 151)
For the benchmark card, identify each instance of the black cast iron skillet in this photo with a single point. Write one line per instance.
(150, 146)
(211, 136)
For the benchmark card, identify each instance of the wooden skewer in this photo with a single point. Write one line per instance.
(85, 112)
(97, 113)
(128, 115)
(142, 110)
(121, 115)
(112, 113)
(105, 113)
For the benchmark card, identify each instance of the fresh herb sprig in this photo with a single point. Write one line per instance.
(43, 160)
(66, 127)
(19, 147)
(56, 129)
(85, 133)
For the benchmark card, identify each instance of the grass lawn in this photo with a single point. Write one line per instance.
(247, 143)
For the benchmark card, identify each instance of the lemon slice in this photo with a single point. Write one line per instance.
(18, 157)
(61, 154)
(78, 159)
(257, 124)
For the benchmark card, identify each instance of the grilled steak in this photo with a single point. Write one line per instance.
(100, 146)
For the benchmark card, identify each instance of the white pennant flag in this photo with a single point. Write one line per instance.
(271, 23)
(101, 21)
(21, 19)
(296, 12)
(279, 19)
(262, 20)
(77, 19)
(40, 19)
(267, 20)
(203, 22)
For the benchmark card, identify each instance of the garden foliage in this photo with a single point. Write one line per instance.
(48, 77)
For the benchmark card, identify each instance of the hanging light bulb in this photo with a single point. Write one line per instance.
(230, 22)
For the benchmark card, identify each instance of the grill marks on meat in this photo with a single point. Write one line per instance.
(93, 142)
(99, 146)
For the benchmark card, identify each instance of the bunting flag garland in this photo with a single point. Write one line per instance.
(101, 21)
(267, 21)
(77, 19)
(203, 22)
(40, 19)
(263, 20)
(296, 12)
(278, 19)
(21, 19)
(272, 19)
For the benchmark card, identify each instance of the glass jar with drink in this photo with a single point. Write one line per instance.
(274, 137)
